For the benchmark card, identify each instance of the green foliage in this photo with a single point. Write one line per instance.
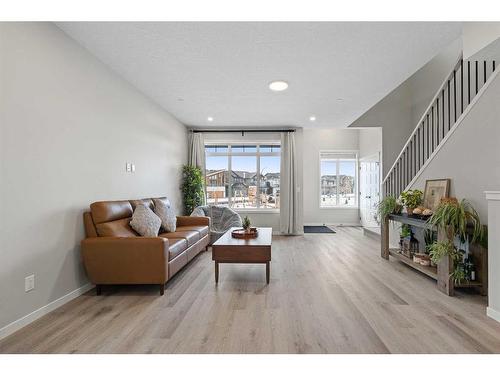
(455, 217)
(429, 238)
(458, 274)
(246, 223)
(192, 188)
(405, 231)
(388, 205)
(411, 198)
(483, 241)
(438, 250)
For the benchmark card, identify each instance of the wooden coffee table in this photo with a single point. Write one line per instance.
(233, 250)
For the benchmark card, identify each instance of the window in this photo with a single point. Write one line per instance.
(338, 179)
(243, 176)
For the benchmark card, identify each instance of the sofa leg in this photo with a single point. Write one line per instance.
(162, 289)
(98, 289)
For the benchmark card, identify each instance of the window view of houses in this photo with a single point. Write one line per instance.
(232, 179)
(337, 182)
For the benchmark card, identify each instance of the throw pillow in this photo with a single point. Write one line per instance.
(166, 214)
(145, 222)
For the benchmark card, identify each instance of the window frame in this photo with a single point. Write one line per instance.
(356, 179)
(258, 154)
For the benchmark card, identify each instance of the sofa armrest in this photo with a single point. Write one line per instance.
(193, 220)
(126, 260)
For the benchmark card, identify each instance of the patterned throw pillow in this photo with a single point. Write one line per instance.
(166, 214)
(145, 222)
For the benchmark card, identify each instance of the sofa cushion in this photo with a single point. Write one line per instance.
(202, 229)
(176, 246)
(191, 236)
(145, 222)
(110, 211)
(163, 199)
(117, 228)
(166, 214)
(146, 201)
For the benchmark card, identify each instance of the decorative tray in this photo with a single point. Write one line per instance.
(241, 233)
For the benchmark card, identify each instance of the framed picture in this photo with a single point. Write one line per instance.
(434, 191)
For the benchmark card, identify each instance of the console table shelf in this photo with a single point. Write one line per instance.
(442, 272)
(429, 271)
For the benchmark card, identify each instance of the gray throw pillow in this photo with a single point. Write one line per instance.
(166, 214)
(145, 222)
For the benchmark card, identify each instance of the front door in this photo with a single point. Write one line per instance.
(369, 191)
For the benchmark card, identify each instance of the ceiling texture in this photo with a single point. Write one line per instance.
(336, 70)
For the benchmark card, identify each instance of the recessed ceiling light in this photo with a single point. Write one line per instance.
(339, 99)
(312, 118)
(210, 119)
(278, 86)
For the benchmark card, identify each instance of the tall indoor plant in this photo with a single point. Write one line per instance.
(192, 188)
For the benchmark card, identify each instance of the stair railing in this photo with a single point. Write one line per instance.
(453, 97)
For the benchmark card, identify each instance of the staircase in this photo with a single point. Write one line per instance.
(445, 111)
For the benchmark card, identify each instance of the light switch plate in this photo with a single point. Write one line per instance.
(133, 168)
(29, 283)
(128, 167)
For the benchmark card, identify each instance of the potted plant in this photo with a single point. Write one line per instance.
(389, 205)
(411, 199)
(456, 219)
(246, 224)
(192, 188)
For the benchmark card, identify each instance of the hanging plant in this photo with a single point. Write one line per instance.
(458, 219)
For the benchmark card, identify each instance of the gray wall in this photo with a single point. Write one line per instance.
(314, 141)
(471, 157)
(68, 126)
(393, 115)
(399, 112)
(370, 142)
(478, 35)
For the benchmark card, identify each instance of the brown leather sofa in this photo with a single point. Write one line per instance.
(113, 253)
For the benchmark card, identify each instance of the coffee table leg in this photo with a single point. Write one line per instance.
(216, 272)
(268, 266)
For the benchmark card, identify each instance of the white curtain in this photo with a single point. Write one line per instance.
(196, 149)
(289, 197)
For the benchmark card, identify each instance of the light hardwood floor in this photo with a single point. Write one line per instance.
(328, 294)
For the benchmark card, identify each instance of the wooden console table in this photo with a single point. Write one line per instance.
(441, 273)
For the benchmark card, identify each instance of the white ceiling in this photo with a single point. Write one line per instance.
(336, 70)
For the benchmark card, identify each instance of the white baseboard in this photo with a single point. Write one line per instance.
(31, 317)
(493, 314)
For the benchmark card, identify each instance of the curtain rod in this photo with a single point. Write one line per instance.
(246, 131)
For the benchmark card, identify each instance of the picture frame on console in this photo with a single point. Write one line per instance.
(434, 191)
